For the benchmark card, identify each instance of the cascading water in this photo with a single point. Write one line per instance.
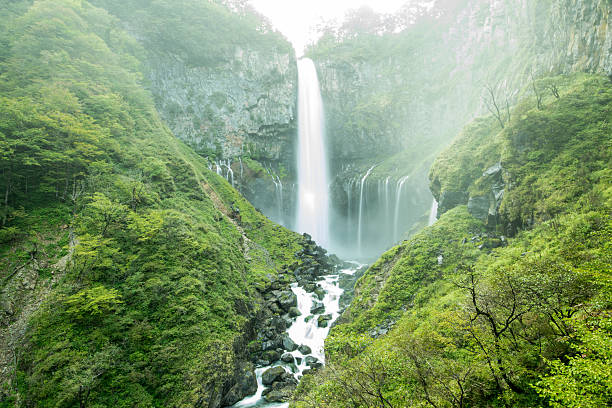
(360, 220)
(278, 190)
(304, 331)
(433, 213)
(313, 194)
(398, 201)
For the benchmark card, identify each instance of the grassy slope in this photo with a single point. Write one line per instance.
(448, 348)
(151, 306)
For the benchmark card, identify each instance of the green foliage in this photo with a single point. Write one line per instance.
(203, 33)
(92, 303)
(159, 282)
(585, 380)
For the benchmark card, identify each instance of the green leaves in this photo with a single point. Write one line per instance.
(92, 303)
(585, 379)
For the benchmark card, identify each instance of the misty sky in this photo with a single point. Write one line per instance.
(297, 18)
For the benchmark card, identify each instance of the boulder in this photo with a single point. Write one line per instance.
(287, 300)
(268, 345)
(288, 344)
(319, 292)
(317, 308)
(304, 349)
(294, 312)
(493, 171)
(313, 362)
(272, 374)
(323, 320)
(280, 394)
(287, 358)
(271, 355)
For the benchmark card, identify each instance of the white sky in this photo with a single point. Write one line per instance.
(297, 18)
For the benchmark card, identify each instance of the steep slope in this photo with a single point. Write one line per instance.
(129, 271)
(463, 315)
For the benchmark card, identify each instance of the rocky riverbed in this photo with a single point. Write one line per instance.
(301, 304)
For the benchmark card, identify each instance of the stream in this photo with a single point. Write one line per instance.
(304, 331)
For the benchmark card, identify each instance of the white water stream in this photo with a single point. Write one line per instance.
(313, 179)
(433, 213)
(304, 331)
(360, 221)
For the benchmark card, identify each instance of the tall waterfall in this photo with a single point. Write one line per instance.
(313, 194)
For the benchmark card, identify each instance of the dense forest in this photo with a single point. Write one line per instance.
(144, 146)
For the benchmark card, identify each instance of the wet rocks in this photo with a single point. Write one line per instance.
(323, 320)
(319, 292)
(245, 384)
(287, 300)
(313, 362)
(287, 358)
(272, 374)
(294, 312)
(281, 384)
(304, 349)
(317, 308)
(288, 344)
(271, 355)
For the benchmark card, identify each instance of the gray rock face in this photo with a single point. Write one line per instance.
(245, 385)
(451, 199)
(247, 105)
(479, 207)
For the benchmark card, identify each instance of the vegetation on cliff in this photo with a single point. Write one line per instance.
(149, 262)
(461, 315)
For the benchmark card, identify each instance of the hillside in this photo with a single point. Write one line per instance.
(505, 301)
(129, 270)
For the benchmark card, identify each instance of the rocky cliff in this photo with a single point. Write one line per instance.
(415, 89)
(245, 106)
(225, 83)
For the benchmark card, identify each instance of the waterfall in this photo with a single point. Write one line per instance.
(398, 200)
(230, 173)
(349, 224)
(360, 220)
(313, 194)
(387, 210)
(433, 213)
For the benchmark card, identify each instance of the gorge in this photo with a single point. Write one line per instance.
(414, 213)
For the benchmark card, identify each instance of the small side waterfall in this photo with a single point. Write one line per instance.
(278, 190)
(433, 213)
(398, 202)
(313, 180)
(360, 220)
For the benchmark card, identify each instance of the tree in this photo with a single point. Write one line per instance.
(493, 104)
(585, 379)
